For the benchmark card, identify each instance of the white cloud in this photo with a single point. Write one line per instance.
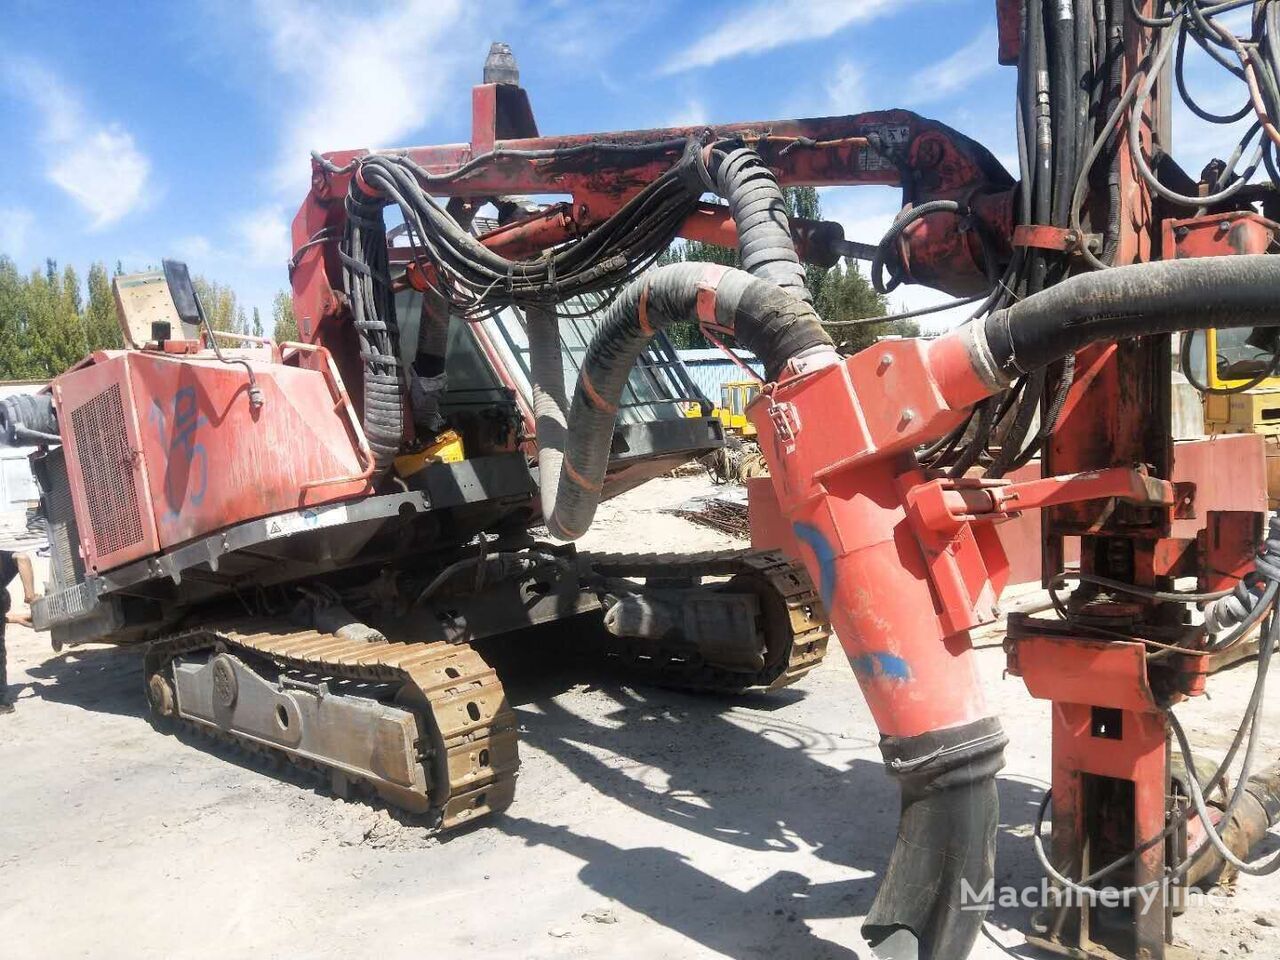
(15, 227)
(194, 249)
(97, 164)
(264, 236)
(846, 90)
(769, 24)
(356, 77)
(976, 59)
(692, 113)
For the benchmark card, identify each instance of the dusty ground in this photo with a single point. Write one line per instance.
(648, 823)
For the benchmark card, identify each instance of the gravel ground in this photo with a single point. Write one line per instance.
(647, 823)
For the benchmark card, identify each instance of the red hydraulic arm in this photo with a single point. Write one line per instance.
(507, 158)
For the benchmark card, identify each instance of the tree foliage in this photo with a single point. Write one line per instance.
(284, 325)
(220, 306)
(49, 320)
(840, 293)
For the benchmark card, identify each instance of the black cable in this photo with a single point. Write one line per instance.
(1179, 73)
(886, 248)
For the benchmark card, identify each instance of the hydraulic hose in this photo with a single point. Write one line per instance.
(550, 408)
(28, 419)
(1133, 301)
(759, 210)
(764, 318)
(366, 278)
(1251, 592)
(946, 839)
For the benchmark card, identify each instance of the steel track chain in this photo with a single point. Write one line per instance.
(470, 755)
(794, 628)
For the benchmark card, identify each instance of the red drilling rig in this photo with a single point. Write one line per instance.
(310, 536)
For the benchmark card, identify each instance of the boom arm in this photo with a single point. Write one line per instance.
(602, 172)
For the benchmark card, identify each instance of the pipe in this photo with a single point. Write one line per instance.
(764, 318)
(1138, 300)
(1258, 812)
(759, 210)
(550, 408)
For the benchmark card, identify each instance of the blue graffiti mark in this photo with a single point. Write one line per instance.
(814, 539)
(184, 449)
(881, 666)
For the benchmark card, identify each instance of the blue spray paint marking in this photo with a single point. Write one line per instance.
(876, 666)
(184, 448)
(814, 539)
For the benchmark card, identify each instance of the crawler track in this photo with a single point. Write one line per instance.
(465, 743)
(792, 631)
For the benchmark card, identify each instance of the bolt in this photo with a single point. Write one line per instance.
(1224, 226)
(886, 361)
(907, 417)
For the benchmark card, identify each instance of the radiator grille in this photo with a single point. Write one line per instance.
(60, 517)
(106, 462)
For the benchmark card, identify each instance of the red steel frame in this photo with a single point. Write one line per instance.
(1108, 725)
(830, 151)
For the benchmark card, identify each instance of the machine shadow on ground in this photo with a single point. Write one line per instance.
(99, 679)
(733, 769)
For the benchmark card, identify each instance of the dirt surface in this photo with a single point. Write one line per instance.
(647, 823)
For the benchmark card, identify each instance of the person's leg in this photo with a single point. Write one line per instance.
(6, 706)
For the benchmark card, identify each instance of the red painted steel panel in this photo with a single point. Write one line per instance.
(203, 458)
(104, 452)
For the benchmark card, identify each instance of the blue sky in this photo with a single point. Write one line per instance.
(184, 129)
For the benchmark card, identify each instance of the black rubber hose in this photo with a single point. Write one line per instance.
(1133, 301)
(759, 210)
(1116, 33)
(367, 280)
(764, 318)
(946, 841)
(28, 419)
(1063, 94)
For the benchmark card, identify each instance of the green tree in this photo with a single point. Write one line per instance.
(846, 296)
(101, 323)
(257, 323)
(219, 302)
(284, 325)
(12, 303)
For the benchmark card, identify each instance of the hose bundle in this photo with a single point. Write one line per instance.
(474, 280)
(478, 281)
